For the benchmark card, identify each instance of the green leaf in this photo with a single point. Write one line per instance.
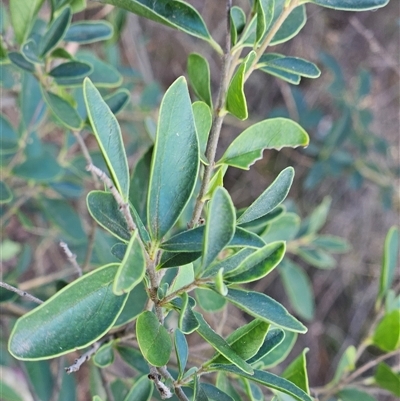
(175, 161)
(172, 259)
(346, 363)
(132, 268)
(134, 305)
(70, 70)
(199, 77)
(39, 374)
(20, 61)
(108, 134)
(298, 288)
(237, 23)
(220, 226)
(274, 133)
(44, 168)
(351, 5)
(203, 120)
(261, 306)
(270, 198)
(153, 339)
(245, 341)
(117, 100)
(386, 378)
(187, 320)
(221, 345)
(316, 257)
(296, 372)
(284, 228)
(142, 390)
(30, 51)
(354, 394)
(214, 393)
(104, 356)
(55, 32)
(134, 358)
(293, 79)
(181, 350)
(8, 137)
(22, 17)
(192, 240)
(387, 334)
(389, 261)
(63, 111)
(318, 217)
(265, 14)
(73, 318)
(269, 380)
(331, 243)
(174, 14)
(258, 264)
(104, 209)
(209, 300)
(89, 32)
(5, 193)
(235, 98)
(273, 338)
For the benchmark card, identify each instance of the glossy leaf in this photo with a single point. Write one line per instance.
(387, 334)
(351, 5)
(258, 264)
(187, 319)
(73, 318)
(104, 355)
(153, 339)
(142, 390)
(296, 372)
(174, 14)
(273, 338)
(132, 268)
(386, 378)
(220, 226)
(30, 51)
(173, 172)
(89, 32)
(235, 98)
(20, 61)
(199, 77)
(70, 69)
(134, 305)
(172, 259)
(55, 32)
(117, 100)
(221, 345)
(265, 14)
(63, 111)
(274, 133)
(22, 16)
(270, 198)
(298, 288)
(246, 340)
(203, 120)
(261, 306)
(108, 134)
(181, 350)
(389, 261)
(104, 209)
(269, 380)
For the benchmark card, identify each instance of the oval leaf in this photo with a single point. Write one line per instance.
(220, 226)
(274, 133)
(153, 339)
(20, 61)
(89, 32)
(142, 390)
(261, 306)
(181, 350)
(270, 198)
(71, 69)
(199, 77)
(73, 318)
(108, 134)
(175, 161)
(132, 268)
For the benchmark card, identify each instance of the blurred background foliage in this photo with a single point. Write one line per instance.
(347, 180)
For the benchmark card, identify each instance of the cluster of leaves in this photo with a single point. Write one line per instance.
(146, 260)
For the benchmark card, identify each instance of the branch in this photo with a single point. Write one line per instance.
(21, 293)
(164, 390)
(71, 257)
(123, 206)
(83, 358)
(178, 390)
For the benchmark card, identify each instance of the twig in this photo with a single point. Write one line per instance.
(21, 292)
(177, 388)
(123, 206)
(83, 358)
(71, 257)
(219, 114)
(187, 288)
(106, 385)
(164, 390)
